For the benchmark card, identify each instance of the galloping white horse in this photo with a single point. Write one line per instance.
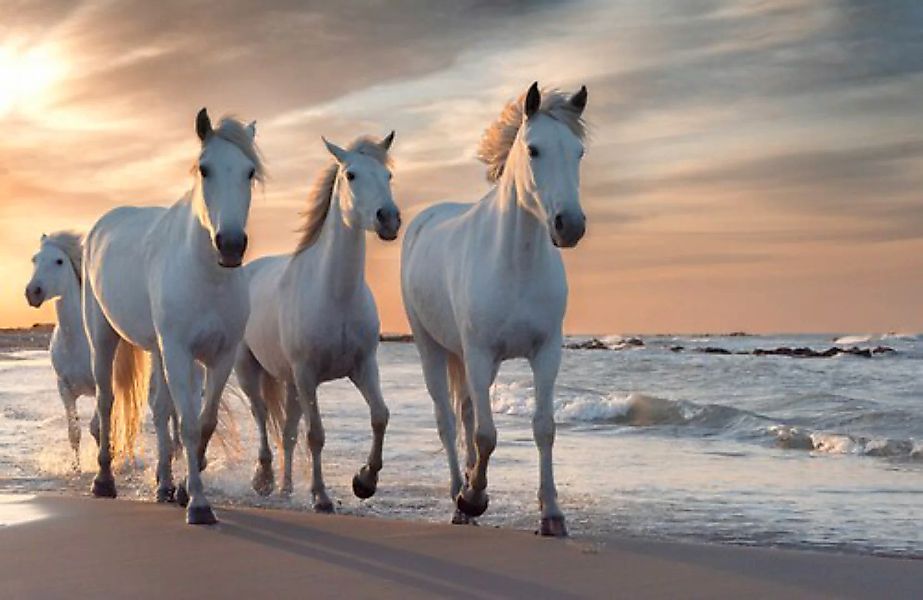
(483, 283)
(314, 319)
(57, 276)
(166, 280)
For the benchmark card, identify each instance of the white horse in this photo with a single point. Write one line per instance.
(483, 283)
(57, 276)
(313, 318)
(166, 280)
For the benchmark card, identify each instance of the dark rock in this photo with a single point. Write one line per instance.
(403, 338)
(677, 348)
(712, 350)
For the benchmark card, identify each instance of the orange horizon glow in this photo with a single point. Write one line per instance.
(752, 167)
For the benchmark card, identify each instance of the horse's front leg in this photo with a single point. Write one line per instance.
(306, 384)
(179, 369)
(162, 409)
(544, 371)
(216, 376)
(73, 424)
(480, 370)
(365, 377)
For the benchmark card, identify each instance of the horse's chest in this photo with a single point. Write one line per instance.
(337, 349)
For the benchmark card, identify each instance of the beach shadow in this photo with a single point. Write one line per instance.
(425, 573)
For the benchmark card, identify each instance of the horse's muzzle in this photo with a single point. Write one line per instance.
(231, 248)
(35, 295)
(567, 228)
(387, 223)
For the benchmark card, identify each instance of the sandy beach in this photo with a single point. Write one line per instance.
(55, 547)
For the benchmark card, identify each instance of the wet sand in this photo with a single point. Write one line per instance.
(83, 548)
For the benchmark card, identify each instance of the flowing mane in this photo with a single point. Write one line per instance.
(499, 137)
(71, 244)
(322, 191)
(236, 132)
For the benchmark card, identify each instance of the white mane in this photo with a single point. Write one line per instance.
(498, 139)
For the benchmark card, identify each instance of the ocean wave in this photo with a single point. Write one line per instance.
(795, 438)
(633, 409)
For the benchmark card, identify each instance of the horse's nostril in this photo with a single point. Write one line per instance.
(380, 215)
(218, 240)
(558, 223)
(37, 291)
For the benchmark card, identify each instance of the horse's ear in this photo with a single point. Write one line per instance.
(251, 129)
(338, 153)
(203, 125)
(386, 143)
(578, 100)
(533, 100)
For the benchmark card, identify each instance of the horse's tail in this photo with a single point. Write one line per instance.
(461, 397)
(273, 392)
(130, 377)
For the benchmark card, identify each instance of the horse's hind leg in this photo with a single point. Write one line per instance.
(545, 370)
(162, 410)
(249, 375)
(366, 378)
(103, 342)
(433, 358)
(73, 424)
(480, 370)
(293, 414)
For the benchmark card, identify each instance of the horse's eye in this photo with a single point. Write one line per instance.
(350, 175)
(59, 262)
(203, 170)
(390, 176)
(252, 174)
(582, 152)
(533, 151)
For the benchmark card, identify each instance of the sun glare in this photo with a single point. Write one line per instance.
(26, 75)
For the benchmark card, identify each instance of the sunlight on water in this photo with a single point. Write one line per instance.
(17, 509)
(757, 450)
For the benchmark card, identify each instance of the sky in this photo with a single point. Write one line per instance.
(752, 165)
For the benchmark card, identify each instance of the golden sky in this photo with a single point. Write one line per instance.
(753, 165)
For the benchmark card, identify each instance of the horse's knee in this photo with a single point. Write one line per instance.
(543, 429)
(316, 438)
(380, 418)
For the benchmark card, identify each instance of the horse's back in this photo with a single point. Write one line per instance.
(116, 268)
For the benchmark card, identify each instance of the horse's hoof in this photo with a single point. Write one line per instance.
(472, 508)
(460, 518)
(200, 515)
(553, 527)
(263, 481)
(104, 488)
(166, 494)
(324, 507)
(365, 489)
(182, 495)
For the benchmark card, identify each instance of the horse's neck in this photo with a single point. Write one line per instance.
(67, 309)
(519, 239)
(339, 255)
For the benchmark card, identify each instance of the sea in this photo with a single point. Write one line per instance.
(704, 438)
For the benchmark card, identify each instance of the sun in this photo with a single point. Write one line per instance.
(26, 76)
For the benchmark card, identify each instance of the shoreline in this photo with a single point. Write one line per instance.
(84, 547)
